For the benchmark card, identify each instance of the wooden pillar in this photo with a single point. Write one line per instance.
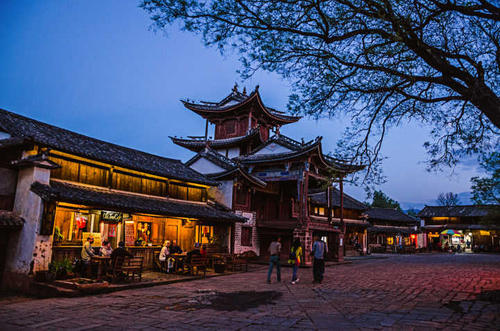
(206, 130)
(340, 241)
(329, 203)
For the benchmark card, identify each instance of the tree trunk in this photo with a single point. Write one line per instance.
(486, 101)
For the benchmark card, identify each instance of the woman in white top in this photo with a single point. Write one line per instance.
(164, 251)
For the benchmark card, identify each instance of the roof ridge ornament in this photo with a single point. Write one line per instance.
(235, 88)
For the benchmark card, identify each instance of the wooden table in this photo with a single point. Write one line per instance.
(177, 258)
(100, 260)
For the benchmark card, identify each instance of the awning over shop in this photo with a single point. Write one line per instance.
(10, 221)
(97, 197)
(391, 230)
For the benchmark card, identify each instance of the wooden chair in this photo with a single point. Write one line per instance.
(157, 264)
(133, 267)
(198, 262)
(117, 271)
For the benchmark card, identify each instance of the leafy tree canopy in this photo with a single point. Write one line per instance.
(448, 199)
(381, 200)
(486, 190)
(381, 62)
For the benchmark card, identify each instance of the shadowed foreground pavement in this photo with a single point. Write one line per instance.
(401, 292)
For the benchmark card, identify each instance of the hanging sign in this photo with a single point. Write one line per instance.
(111, 216)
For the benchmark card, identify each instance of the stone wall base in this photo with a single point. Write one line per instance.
(16, 282)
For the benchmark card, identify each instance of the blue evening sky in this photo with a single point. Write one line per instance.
(96, 68)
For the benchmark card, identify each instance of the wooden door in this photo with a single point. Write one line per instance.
(171, 232)
(187, 234)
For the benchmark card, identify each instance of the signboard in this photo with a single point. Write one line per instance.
(95, 235)
(129, 234)
(111, 216)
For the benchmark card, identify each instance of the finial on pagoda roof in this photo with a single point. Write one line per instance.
(244, 90)
(256, 88)
(235, 88)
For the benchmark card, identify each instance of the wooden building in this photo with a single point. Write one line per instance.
(353, 219)
(391, 230)
(471, 226)
(266, 177)
(59, 187)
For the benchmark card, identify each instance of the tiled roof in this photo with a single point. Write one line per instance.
(349, 202)
(128, 202)
(214, 157)
(297, 150)
(12, 142)
(233, 101)
(231, 167)
(259, 158)
(10, 221)
(197, 145)
(238, 171)
(389, 214)
(284, 141)
(459, 211)
(67, 141)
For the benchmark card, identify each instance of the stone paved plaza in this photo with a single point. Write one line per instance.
(399, 292)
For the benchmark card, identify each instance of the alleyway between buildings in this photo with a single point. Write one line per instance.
(416, 291)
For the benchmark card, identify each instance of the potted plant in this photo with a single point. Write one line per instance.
(61, 269)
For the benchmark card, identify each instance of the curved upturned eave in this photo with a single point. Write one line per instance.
(344, 170)
(203, 111)
(199, 145)
(349, 168)
(252, 179)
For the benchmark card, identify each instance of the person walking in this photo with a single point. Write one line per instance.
(275, 250)
(295, 259)
(319, 251)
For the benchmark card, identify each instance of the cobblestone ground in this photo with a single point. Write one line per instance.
(400, 292)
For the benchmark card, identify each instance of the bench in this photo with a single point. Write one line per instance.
(198, 262)
(130, 267)
(236, 262)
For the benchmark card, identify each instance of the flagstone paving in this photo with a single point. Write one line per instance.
(401, 292)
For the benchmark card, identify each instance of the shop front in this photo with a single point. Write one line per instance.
(142, 234)
(463, 238)
(393, 239)
(73, 213)
(355, 239)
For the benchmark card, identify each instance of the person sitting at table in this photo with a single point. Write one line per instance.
(165, 251)
(175, 249)
(106, 249)
(86, 254)
(119, 252)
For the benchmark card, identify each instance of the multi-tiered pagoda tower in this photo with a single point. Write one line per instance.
(264, 175)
